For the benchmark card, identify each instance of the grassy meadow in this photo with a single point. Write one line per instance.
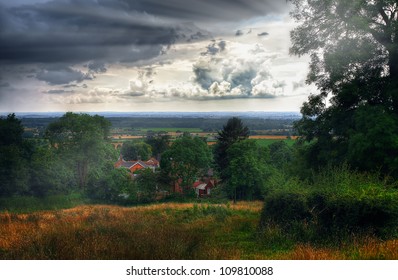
(167, 231)
(268, 142)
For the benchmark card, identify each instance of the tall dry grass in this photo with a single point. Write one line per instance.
(162, 231)
(159, 231)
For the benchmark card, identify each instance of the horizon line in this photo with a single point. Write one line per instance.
(142, 112)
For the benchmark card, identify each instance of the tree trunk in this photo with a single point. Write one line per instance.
(82, 170)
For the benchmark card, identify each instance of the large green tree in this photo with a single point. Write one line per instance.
(186, 160)
(14, 157)
(159, 144)
(234, 131)
(49, 173)
(246, 172)
(82, 140)
(147, 183)
(354, 63)
(135, 151)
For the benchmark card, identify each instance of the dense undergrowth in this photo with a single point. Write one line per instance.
(335, 206)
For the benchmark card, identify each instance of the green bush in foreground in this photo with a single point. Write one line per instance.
(338, 203)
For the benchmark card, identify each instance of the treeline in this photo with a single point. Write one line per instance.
(76, 156)
(206, 124)
(301, 200)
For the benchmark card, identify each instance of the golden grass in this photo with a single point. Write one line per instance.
(162, 231)
(366, 248)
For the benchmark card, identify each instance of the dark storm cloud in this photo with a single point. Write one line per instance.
(97, 67)
(58, 75)
(76, 31)
(207, 10)
(263, 34)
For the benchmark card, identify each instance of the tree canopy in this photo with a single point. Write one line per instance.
(246, 171)
(345, 38)
(234, 131)
(186, 160)
(159, 144)
(81, 139)
(14, 155)
(135, 151)
(354, 63)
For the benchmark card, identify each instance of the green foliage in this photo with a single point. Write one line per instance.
(14, 157)
(159, 144)
(246, 172)
(367, 44)
(14, 173)
(218, 212)
(338, 203)
(374, 141)
(147, 184)
(268, 142)
(49, 174)
(111, 185)
(234, 131)
(135, 151)
(186, 160)
(11, 131)
(354, 118)
(280, 154)
(81, 139)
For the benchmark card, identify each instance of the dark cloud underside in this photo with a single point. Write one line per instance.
(74, 31)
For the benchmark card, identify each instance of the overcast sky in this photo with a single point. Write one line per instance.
(148, 55)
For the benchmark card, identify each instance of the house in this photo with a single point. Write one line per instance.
(136, 165)
(203, 189)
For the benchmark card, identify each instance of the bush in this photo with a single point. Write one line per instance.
(338, 203)
(285, 208)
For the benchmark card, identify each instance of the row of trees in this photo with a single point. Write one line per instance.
(76, 155)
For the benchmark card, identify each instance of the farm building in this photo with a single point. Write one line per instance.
(203, 189)
(136, 165)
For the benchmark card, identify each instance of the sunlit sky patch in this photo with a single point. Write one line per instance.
(149, 55)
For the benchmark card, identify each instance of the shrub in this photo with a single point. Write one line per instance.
(338, 203)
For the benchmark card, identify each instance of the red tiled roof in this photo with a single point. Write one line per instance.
(196, 184)
(152, 162)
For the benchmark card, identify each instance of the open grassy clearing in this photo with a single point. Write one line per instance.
(267, 142)
(166, 231)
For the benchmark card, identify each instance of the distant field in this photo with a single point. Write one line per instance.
(273, 137)
(171, 129)
(127, 136)
(267, 142)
